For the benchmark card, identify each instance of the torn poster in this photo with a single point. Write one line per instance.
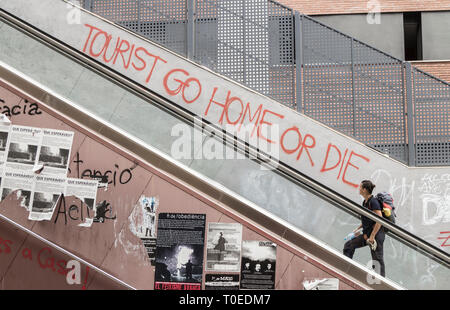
(142, 224)
(179, 251)
(4, 134)
(258, 265)
(55, 151)
(223, 251)
(86, 191)
(321, 284)
(47, 191)
(22, 182)
(147, 231)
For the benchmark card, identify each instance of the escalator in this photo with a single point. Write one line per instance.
(283, 198)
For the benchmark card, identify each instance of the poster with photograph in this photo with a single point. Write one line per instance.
(221, 282)
(146, 229)
(54, 152)
(23, 147)
(179, 251)
(86, 191)
(20, 181)
(4, 135)
(223, 252)
(258, 265)
(47, 191)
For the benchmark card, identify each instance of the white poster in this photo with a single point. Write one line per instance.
(47, 191)
(23, 147)
(224, 247)
(54, 152)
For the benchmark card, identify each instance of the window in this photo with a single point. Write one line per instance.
(412, 35)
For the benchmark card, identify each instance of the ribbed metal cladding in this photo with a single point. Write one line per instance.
(432, 116)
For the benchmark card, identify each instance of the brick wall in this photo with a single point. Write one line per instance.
(439, 69)
(318, 7)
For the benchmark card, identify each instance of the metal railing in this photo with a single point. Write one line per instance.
(302, 63)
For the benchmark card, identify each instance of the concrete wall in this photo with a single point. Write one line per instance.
(387, 36)
(436, 35)
(111, 245)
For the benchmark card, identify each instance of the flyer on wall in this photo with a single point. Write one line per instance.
(144, 225)
(223, 250)
(179, 251)
(55, 150)
(221, 282)
(258, 265)
(46, 193)
(22, 148)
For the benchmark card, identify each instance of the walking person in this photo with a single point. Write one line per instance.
(373, 233)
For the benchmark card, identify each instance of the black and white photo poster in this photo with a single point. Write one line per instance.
(179, 251)
(22, 147)
(223, 251)
(221, 282)
(143, 225)
(258, 265)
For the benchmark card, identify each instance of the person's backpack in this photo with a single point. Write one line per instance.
(387, 203)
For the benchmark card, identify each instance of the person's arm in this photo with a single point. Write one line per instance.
(359, 227)
(376, 227)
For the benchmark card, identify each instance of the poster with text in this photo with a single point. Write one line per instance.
(258, 265)
(179, 251)
(54, 152)
(221, 282)
(146, 229)
(47, 190)
(5, 129)
(223, 252)
(22, 148)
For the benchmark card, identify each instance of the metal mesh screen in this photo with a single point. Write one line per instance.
(353, 88)
(281, 54)
(432, 116)
(342, 82)
(154, 19)
(165, 24)
(250, 42)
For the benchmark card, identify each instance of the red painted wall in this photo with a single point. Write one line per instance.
(111, 245)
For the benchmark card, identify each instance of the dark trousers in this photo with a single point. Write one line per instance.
(359, 242)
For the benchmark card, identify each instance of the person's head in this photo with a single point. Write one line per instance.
(258, 267)
(366, 188)
(247, 265)
(269, 266)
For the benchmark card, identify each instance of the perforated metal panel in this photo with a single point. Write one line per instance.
(165, 24)
(432, 116)
(379, 98)
(353, 88)
(154, 19)
(250, 42)
(340, 81)
(206, 33)
(281, 54)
